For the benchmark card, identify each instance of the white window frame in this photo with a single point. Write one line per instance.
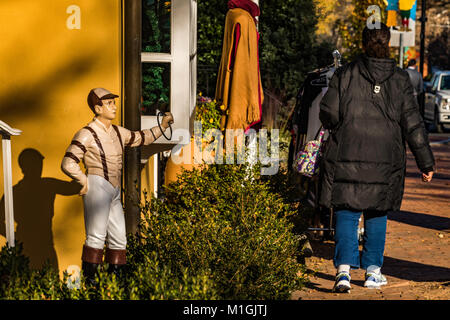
(183, 69)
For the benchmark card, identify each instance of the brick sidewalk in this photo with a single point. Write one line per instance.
(417, 254)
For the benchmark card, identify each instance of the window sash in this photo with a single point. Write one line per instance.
(183, 60)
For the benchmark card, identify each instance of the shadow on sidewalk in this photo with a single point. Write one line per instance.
(314, 286)
(414, 271)
(437, 175)
(420, 220)
(398, 268)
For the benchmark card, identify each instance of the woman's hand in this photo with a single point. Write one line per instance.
(426, 177)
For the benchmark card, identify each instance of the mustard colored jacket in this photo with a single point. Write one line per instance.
(239, 87)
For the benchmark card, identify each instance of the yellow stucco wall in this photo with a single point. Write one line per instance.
(46, 73)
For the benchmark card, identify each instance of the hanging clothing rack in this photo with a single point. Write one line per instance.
(306, 122)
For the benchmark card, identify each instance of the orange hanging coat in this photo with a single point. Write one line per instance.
(239, 88)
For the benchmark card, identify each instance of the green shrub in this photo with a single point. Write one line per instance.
(216, 235)
(18, 281)
(140, 281)
(216, 220)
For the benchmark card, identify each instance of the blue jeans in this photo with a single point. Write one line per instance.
(346, 238)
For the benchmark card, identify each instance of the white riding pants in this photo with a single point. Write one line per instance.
(104, 218)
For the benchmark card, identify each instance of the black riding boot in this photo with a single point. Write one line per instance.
(89, 272)
(116, 259)
(116, 269)
(91, 258)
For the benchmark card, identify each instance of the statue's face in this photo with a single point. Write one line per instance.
(107, 110)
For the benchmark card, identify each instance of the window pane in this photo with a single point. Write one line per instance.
(445, 83)
(436, 82)
(156, 26)
(155, 88)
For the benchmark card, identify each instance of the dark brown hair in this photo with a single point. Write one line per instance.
(376, 41)
(412, 62)
(93, 100)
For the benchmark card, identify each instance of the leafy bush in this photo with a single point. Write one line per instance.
(218, 234)
(140, 280)
(17, 281)
(217, 221)
(287, 43)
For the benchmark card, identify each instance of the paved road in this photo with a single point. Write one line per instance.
(417, 253)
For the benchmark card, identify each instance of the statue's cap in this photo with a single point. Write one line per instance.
(96, 96)
(102, 93)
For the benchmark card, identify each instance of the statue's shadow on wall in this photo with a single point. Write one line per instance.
(34, 200)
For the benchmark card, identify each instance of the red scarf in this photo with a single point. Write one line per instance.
(247, 5)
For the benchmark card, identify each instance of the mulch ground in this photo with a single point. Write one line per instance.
(417, 254)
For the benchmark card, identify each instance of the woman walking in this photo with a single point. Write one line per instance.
(370, 110)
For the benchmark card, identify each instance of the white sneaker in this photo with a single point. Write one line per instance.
(342, 283)
(374, 280)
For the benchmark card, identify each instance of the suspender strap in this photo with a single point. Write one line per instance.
(142, 138)
(102, 152)
(118, 135)
(133, 136)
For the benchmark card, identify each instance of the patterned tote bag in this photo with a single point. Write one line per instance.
(306, 161)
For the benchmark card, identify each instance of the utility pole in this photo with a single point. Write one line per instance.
(132, 105)
(423, 20)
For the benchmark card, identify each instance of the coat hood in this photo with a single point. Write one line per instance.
(376, 70)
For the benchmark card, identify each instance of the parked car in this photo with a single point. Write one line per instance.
(436, 113)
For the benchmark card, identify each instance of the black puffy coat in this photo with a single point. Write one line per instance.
(370, 110)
